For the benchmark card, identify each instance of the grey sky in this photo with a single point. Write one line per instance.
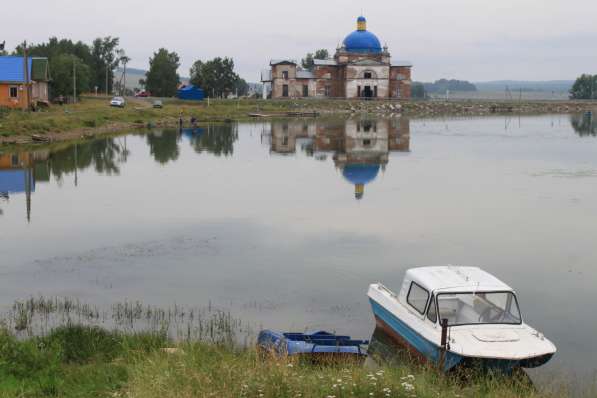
(465, 39)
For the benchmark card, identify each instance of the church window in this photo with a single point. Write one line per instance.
(367, 126)
(285, 75)
(368, 75)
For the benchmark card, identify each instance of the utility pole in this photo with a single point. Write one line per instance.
(26, 75)
(74, 80)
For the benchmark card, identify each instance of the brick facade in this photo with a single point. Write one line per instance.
(351, 74)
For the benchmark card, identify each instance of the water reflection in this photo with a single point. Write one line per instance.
(383, 350)
(584, 124)
(17, 176)
(216, 139)
(360, 147)
(163, 145)
(20, 172)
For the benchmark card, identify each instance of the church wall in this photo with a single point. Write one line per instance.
(331, 77)
(285, 134)
(400, 82)
(355, 78)
(399, 137)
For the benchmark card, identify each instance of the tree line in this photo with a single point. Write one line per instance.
(585, 87)
(94, 63)
(216, 77)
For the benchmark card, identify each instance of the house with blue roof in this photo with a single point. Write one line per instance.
(20, 87)
(360, 68)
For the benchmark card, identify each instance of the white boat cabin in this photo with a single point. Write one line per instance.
(462, 295)
(482, 313)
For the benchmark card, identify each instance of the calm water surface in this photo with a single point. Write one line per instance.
(286, 223)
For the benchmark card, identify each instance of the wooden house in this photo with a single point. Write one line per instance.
(16, 86)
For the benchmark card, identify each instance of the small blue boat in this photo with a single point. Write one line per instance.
(316, 345)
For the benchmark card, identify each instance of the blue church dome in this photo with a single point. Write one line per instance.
(361, 40)
(360, 174)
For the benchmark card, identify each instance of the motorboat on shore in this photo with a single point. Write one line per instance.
(457, 317)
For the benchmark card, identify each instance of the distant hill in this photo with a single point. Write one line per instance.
(133, 75)
(527, 86)
(443, 85)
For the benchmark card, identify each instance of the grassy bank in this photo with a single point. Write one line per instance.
(93, 116)
(79, 361)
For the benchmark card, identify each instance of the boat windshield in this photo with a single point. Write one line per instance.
(477, 308)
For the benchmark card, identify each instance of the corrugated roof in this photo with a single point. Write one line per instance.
(304, 74)
(401, 63)
(325, 62)
(12, 71)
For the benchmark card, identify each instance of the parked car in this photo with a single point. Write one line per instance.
(142, 94)
(118, 101)
(158, 104)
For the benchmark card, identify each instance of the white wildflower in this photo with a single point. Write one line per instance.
(407, 386)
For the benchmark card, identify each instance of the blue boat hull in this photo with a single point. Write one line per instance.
(428, 351)
(318, 345)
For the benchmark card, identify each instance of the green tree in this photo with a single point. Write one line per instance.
(309, 61)
(585, 87)
(104, 59)
(217, 77)
(417, 90)
(100, 57)
(241, 87)
(162, 78)
(62, 82)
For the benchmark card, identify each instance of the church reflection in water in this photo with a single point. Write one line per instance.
(360, 147)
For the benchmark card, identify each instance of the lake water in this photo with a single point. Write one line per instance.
(285, 223)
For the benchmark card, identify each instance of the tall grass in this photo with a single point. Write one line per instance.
(61, 347)
(38, 316)
(202, 371)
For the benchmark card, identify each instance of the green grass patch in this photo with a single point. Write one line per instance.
(84, 361)
(72, 361)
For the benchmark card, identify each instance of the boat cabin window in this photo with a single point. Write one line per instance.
(417, 298)
(432, 311)
(479, 308)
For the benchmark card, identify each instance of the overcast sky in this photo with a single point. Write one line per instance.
(474, 40)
